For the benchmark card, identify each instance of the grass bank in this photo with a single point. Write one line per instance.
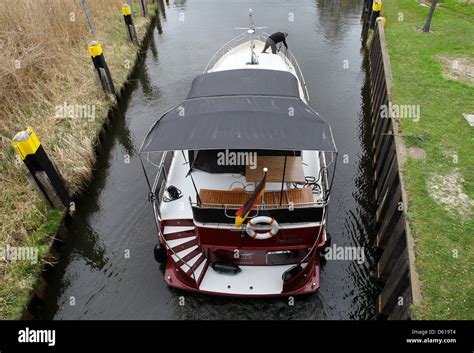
(44, 64)
(463, 7)
(440, 187)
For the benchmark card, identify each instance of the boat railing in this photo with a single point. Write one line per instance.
(225, 48)
(291, 58)
(159, 185)
(242, 38)
(161, 177)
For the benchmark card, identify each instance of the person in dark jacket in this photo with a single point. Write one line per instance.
(274, 39)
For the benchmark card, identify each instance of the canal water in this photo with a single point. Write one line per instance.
(107, 269)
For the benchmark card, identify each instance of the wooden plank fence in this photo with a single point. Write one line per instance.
(393, 267)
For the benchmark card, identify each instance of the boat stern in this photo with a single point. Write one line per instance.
(250, 281)
(193, 265)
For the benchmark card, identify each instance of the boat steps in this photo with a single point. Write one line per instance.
(184, 249)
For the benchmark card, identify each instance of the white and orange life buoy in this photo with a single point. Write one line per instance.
(250, 228)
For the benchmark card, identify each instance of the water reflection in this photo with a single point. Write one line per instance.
(332, 18)
(180, 4)
(159, 27)
(145, 81)
(153, 48)
(91, 249)
(162, 9)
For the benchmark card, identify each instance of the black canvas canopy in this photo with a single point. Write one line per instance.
(241, 109)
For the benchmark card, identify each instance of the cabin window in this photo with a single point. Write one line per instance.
(230, 161)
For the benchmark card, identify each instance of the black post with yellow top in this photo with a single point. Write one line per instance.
(376, 8)
(43, 173)
(95, 50)
(127, 15)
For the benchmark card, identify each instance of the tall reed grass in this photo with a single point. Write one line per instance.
(44, 64)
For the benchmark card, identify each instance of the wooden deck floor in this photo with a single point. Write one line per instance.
(236, 198)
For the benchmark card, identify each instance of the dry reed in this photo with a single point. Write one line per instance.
(44, 64)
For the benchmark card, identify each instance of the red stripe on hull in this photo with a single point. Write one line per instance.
(232, 238)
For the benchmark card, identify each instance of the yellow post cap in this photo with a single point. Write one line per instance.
(126, 10)
(95, 49)
(25, 143)
(377, 5)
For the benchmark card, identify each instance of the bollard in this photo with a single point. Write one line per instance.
(127, 15)
(95, 50)
(144, 7)
(376, 8)
(43, 174)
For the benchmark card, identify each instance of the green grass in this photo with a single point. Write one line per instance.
(460, 6)
(447, 281)
(137, 9)
(17, 283)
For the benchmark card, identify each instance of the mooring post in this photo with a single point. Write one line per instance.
(376, 8)
(144, 7)
(43, 174)
(127, 15)
(95, 50)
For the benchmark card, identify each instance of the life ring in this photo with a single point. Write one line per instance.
(250, 228)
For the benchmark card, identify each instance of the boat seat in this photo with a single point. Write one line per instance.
(271, 199)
